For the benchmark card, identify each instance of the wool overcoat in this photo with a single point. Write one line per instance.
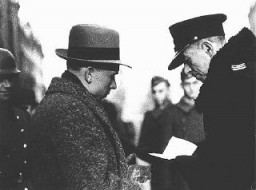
(73, 143)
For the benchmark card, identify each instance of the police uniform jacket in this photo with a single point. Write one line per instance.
(227, 99)
(14, 124)
(74, 145)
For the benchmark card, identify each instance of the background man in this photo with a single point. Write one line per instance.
(184, 121)
(152, 138)
(74, 144)
(225, 160)
(14, 122)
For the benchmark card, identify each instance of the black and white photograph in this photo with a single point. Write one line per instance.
(127, 95)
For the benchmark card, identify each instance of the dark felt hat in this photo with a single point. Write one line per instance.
(189, 31)
(7, 63)
(93, 45)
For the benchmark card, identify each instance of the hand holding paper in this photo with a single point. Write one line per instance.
(176, 147)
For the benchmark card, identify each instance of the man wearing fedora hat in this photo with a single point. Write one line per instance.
(225, 160)
(14, 123)
(74, 144)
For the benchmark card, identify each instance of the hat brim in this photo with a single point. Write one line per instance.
(177, 60)
(7, 72)
(63, 53)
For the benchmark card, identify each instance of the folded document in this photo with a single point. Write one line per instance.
(176, 147)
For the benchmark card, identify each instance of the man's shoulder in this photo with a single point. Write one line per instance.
(236, 57)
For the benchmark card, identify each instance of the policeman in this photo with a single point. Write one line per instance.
(13, 128)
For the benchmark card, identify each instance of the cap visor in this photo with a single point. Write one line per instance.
(177, 60)
(63, 53)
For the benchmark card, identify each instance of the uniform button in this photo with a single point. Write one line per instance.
(195, 38)
(25, 145)
(22, 130)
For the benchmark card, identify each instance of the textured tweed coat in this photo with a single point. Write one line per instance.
(73, 143)
(225, 161)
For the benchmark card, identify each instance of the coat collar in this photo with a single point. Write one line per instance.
(184, 105)
(69, 84)
(240, 50)
(156, 112)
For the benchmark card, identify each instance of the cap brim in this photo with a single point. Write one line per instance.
(63, 53)
(177, 60)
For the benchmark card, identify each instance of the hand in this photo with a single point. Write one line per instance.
(130, 157)
(139, 173)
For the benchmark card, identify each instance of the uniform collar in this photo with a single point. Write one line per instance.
(185, 105)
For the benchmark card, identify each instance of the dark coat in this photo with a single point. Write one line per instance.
(154, 138)
(14, 124)
(74, 145)
(183, 121)
(225, 161)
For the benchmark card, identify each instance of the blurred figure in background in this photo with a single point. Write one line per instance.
(152, 137)
(14, 123)
(184, 121)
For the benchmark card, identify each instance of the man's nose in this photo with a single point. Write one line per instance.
(113, 85)
(187, 69)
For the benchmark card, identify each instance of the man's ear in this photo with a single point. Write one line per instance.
(88, 74)
(208, 48)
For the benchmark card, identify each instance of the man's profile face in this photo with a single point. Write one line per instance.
(196, 62)
(160, 93)
(104, 82)
(191, 87)
(6, 84)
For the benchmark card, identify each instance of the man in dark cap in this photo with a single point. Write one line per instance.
(73, 143)
(155, 136)
(185, 122)
(225, 160)
(14, 122)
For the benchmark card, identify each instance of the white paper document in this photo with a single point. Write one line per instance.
(176, 147)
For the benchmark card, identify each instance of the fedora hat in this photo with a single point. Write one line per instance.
(7, 63)
(189, 31)
(92, 45)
